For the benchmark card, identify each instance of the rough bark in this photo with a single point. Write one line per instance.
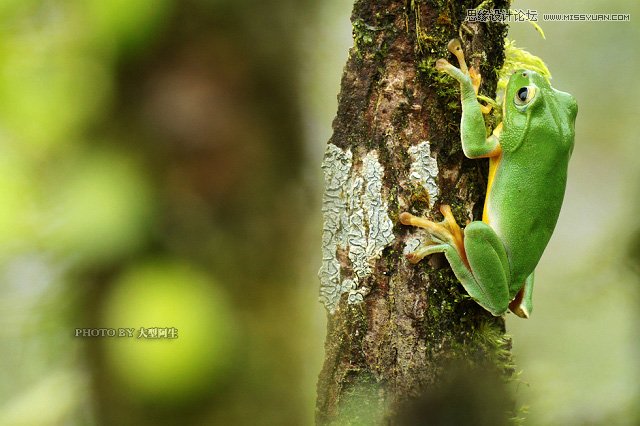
(395, 329)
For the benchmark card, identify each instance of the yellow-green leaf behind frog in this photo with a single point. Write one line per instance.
(529, 152)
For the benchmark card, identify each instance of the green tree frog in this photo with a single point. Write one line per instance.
(528, 153)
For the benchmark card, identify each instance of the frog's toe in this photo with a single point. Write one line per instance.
(454, 46)
(485, 109)
(476, 78)
(425, 250)
(443, 65)
(405, 218)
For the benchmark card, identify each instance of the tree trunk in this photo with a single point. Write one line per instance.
(395, 329)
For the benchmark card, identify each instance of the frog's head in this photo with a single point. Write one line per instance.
(533, 110)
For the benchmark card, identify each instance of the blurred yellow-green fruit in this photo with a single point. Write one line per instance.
(180, 300)
(100, 209)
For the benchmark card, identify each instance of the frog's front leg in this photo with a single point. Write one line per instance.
(480, 263)
(475, 144)
(455, 47)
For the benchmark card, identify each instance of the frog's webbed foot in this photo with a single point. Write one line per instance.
(463, 72)
(476, 80)
(446, 232)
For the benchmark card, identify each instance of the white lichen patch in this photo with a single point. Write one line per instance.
(376, 209)
(336, 166)
(356, 222)
(424, 170)
(356, 235)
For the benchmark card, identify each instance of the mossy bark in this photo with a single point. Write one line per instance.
(414, 320)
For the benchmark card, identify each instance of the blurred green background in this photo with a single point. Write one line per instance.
(159, 167)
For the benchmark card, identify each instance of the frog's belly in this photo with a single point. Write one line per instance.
(523, 215)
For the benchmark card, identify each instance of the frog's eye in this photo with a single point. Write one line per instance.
(524, 95)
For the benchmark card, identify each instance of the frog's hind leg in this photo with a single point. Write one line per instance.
(488, 260)
(478, 250)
